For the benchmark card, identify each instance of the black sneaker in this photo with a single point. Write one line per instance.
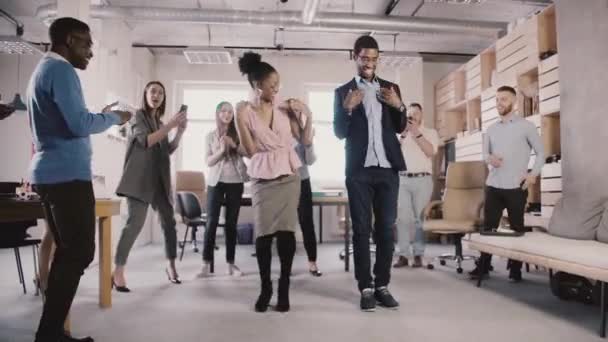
(515, 276)
(67, 338)
(514, 268)
(385, 299)
(476, 273)
(368, 302)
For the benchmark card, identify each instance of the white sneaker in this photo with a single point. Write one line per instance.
(234, 271)
(205, 271)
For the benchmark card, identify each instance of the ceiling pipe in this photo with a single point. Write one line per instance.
(310, 11)
(289, 19)
(433, 57)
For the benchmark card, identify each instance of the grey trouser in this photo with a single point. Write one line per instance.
(137, 211)
(414, 195)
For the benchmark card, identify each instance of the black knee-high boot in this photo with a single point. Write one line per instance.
(286, 246)
(263, 252)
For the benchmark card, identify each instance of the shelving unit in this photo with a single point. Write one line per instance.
(526, 59)
(549, 85)
(451, 104)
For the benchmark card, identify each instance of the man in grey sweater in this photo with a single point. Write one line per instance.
(506, 149)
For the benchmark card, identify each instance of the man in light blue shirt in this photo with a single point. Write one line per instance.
(375, 155)
(61, 166)
(368, 114)
(506, 149)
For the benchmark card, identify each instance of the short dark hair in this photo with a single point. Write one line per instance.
(507, 89)
(365, 42)
(416, 104)
(251, 64)
(62, 27)
(163, 105)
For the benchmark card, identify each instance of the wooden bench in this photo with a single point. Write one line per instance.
(581, 257)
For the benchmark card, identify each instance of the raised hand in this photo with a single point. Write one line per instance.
(413, 127)
(179, 118)
(390, 97)
(125, 116)
(108, 108)
(182, 127)
(353, 99)
(228, 141)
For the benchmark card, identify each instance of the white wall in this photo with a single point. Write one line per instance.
(411, 81)
(15, 141)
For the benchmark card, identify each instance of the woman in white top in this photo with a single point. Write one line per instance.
(227, 173)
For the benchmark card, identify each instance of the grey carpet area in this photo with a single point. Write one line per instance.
(437, 305)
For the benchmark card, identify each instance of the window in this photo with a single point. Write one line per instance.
(202, 98)
(329, 166)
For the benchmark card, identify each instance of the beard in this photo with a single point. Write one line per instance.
(506, 110)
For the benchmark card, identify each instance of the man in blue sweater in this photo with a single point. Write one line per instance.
(61, 166)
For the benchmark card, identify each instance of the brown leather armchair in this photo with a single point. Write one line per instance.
(461, 210)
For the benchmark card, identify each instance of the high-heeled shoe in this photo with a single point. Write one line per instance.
(234, 271)
(123, 288)
(315, 272)
(261, 305)
(283, 297)
(40, 288)
(174, 280)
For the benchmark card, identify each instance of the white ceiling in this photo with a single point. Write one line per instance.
(157, 33)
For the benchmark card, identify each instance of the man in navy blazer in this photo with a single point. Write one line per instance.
(369, 113)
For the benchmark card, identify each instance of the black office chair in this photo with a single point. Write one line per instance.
(14, 235)
(190, 210)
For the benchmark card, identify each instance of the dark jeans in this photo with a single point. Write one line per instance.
(496, 201)
(374, 189)
(306, 220)
(69, 209)
(230, 194)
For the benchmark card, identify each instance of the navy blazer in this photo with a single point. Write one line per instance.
(354, 129)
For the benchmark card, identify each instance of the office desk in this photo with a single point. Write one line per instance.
(327, 201)
(14, 210)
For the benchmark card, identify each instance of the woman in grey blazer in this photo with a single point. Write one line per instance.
(146, 178)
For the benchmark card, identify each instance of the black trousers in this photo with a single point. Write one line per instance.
(231, 194)
(305, 218)
(70, 212)
(496, 201)
(374, 189)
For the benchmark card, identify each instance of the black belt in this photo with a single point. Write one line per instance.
(414, 174)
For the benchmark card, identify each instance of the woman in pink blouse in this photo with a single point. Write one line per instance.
(267, 131)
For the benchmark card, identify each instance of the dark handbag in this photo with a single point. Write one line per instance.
(568, 286)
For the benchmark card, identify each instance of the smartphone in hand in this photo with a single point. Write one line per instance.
(183, 108)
